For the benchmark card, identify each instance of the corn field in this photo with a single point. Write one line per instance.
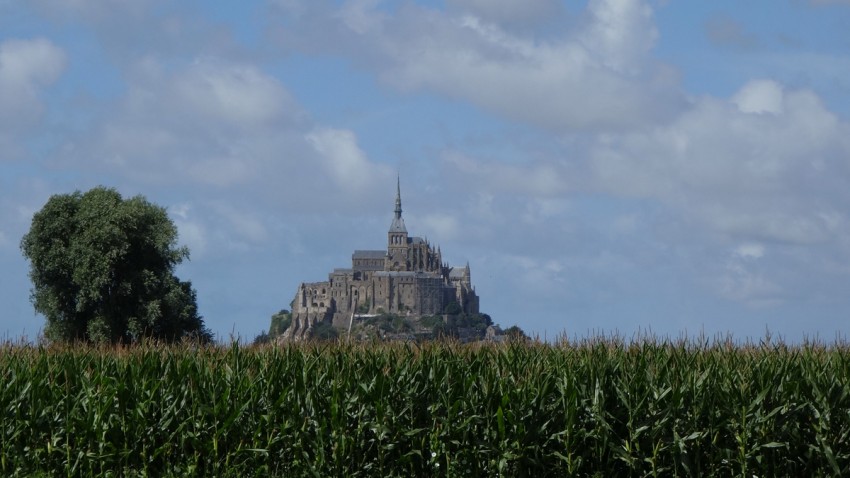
(595, 408)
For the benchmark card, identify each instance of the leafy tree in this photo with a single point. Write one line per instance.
(102, 270)
(324, 331)
(262, 339)
(280, 322)
(515, 333)
(453, 308)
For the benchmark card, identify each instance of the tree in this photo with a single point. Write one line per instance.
(515, 333)
(280, 322)
(324, 331)
(102, 270)
(262, 339)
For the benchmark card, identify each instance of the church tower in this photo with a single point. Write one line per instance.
(397, 247)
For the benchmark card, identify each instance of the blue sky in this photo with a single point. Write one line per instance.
(610, 165)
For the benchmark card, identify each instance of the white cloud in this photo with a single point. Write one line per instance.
(537, 277)
(192, 232)
(213, 91)
(750, 251)
(343, 159)
(221, 128)
(760, 96)
(595, 74)
(507, 11)
(249, 227)
(26, 67)
(710, 194)
(96, 10)
(742, 279)
(212, 122)
(442, 226)
(235, 94)
(537, 179)
(622, 32)
(750, 176)
(360, 15)
(25, 64)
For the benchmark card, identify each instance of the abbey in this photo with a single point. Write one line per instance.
(408, 278)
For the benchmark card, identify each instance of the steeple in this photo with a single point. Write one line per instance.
(398, 198)
(398, 222)
(398, 252)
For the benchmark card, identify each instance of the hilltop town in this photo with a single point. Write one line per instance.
(404, 291)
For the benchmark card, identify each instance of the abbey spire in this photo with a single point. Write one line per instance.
(398, 222)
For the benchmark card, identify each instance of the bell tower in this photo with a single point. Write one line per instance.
(397, 249)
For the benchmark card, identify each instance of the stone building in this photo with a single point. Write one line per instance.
(409, 278)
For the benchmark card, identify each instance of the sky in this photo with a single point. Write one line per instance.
(605, 166)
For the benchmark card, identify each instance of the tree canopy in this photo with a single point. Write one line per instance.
(102, 270)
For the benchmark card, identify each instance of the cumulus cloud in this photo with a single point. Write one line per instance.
(536, 179)
(507, 11)
(96, 10)
(27, 66)
(219, 126)
(444, 226)
(211, 122)
(537, 277)
(744, 173)
(728, 180)
(235, 94)
(760, 96)
(744, 278)
(596, 73)
(343, 160)
(750, 251)
(621, 32)
(192, 232)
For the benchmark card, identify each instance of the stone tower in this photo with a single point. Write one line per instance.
(397, 248)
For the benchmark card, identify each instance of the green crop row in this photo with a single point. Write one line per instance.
(600, 408)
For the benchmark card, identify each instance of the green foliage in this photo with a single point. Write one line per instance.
(280, 322)
(102, 270)
(431, 321)
(324, 331)
(261, 339)
(474, 323)
(390, 323)
(597, 408)
(453, 308)
(515, 333)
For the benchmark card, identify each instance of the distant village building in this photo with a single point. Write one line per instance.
(409, 278)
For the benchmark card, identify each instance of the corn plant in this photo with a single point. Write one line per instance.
(601, 407)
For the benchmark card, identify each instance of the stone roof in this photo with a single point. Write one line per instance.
(415, 240)
(369, 255)
(429, 275)
(398, 225)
